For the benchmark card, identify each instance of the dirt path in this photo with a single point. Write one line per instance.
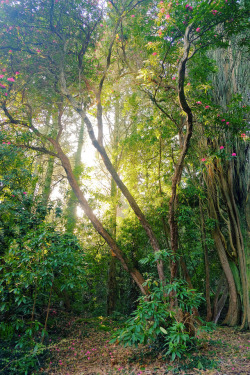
(85, 350)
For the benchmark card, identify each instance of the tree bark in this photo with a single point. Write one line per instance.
(235, 235)
(219, 303)
(232, 317)
(206, 262)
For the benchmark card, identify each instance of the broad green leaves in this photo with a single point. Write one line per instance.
(155, 323)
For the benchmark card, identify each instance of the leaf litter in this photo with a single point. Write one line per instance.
(84, 349)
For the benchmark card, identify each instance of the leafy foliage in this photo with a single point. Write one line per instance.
(121, 63)
(154, 322)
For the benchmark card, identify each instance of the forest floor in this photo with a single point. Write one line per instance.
(84, 349)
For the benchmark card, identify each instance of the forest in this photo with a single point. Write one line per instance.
(124, 187)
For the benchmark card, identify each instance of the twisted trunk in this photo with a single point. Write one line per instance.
(180, 163)
(232, 317)
(236, 239)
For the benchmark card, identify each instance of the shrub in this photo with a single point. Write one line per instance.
(171, 331)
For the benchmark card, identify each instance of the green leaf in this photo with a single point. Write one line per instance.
(163, 330)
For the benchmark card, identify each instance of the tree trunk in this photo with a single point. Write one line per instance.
(72, 202)
(47, 182)
(184, 148)
(135, 274)
(235, 237)
(112, 283)
(206, 262)
(112, 287)
(110, 167)
(233, 176)
(232, 317)
(220, 303)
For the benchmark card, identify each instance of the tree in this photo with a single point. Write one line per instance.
(75, 68)
(85, 38)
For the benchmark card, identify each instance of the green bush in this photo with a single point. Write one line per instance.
(26, 360)
(170, 331)
(36, 268)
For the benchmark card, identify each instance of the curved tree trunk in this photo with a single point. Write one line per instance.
(180, 163)
(235, 237)
(232, 317)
